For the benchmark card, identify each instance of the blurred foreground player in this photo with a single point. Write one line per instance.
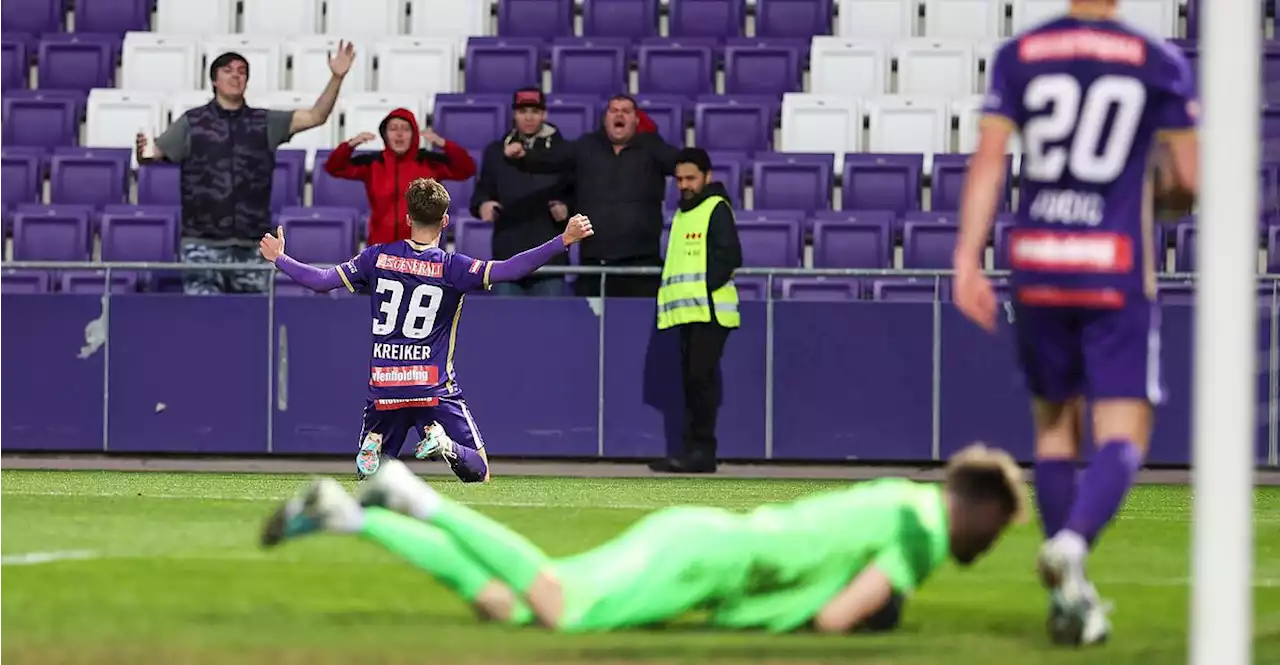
(836, 561)
(416, 291)
(1095, 101)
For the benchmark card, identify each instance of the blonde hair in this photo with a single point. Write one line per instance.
(427, 201)
(978, 458)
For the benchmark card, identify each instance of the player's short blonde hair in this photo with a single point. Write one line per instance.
(427, 201)
(977, 458)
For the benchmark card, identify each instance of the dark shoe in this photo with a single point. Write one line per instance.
(682, 465)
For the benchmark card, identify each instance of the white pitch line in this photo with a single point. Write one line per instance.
(36, 558)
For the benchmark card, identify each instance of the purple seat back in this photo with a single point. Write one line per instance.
(472, 121)
(501, 69)
(727, 173)
(947, 182)
(327, 190)
(821, 289)
(881, 182)
(319, 238)
(22, 176)
(52, 236)
(852, 245)
(96, 177)
(1193, 19)
(707, 18)
(459, 194)
(792, 181)
(911, 289)
(93, 282)
(113, 16)
(286, 180)
(761, 70)
(1273, 249)
(793, 18)
(1000, 239)
(39, 120)
(751, 287)
(732, 124)
(535, 18)
(76, 65)
(1270, 71)
(24, 281)
(928, 245)
(159, 184)
(675, 68)
(591, 69)
(770, 243)
(634, 19)
(13, 65)
(141, 237)
(475, 238)
(668, 113)
(33, 16)
(573, 115)
(1184, 253)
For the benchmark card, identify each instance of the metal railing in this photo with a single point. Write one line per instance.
(1271, 408)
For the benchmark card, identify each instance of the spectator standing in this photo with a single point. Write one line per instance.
(227, 153)
(386, 175)
(698, 297)
(526, 209)
(619, 176)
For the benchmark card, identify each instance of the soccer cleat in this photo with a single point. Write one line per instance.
(399, 489)
(1077, 616)
(435, 444)
(370, 456)
(323, 504)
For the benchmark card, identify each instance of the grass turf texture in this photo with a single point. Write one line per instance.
(175, 576)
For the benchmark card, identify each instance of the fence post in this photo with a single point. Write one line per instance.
(768, 366)
(271, 361)
(600, 370)
(935, 401)
(106, 360)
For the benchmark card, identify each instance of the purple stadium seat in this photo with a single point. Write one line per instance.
(535, 18)
(947, 182)
(589, 68)
(866, 244)
(40, 120)
(931, 217)
(13, 70)
(114, 16)
(327, 190)
(141, 237)
(761, 70)
(1193, 19)
(793, 18)
(81, 65)
(886, 217)
(94, 282)
(286, 180)
(726, 172)
(928, 245)
(752, 287)
(1273, 249)
(668, 113)
(317, 238)
(89, 176)
(633, 19)
(53, 236)
(459, 194)
(24, 281)
(23, 174)
(1184, 253)
(821, 289)
(502, 69)
(1000, 234)
(335, 212)
(732, 124)
(159, 184)
(472, 121)
(33, 16)
(792, 180)
(911, 289)
(771, 243)
(475, 238)
(707, 18)
(881, 182)
(671, 67)
(573, 115)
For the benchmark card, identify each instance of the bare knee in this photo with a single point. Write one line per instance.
(496, 602)
(546, 599)
(1058, 428)
(1122, 420)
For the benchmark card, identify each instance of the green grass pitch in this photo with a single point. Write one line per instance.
(170, 572)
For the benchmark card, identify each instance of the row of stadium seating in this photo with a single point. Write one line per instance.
(975, 19)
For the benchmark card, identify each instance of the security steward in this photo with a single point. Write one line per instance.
(698, 297)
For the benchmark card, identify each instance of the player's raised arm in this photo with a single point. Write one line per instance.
(523, 264)
(316, 279)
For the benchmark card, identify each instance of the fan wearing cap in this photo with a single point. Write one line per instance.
(226, 150)
(526, 209)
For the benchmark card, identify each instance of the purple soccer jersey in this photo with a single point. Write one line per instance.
(416, 295)
(1089, 98)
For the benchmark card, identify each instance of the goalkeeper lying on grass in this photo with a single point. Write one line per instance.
(835, 561)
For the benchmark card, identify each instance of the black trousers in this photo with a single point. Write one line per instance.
(620, 286)
(701, 347)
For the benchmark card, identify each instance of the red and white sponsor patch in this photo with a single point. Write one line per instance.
(393, 404)
(1083, 44)
(410, 266)
(1049, 251)
(476, 265)
(408, 375)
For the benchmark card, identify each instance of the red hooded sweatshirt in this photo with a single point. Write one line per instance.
(386, 176)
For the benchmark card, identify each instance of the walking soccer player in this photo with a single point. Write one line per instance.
(1098, 104)
(834, 561)
(416, 291)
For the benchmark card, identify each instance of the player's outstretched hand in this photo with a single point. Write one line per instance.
(272, 246)
(974, 297)
(579, 227)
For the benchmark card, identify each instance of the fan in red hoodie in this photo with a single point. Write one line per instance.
(386, 175)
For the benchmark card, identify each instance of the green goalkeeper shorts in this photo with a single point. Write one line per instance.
(669, 563)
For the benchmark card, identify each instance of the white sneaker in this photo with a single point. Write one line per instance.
(1077, 616)
(435, 443)
(321, 505)
(398, 488)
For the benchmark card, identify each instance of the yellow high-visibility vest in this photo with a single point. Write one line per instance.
(682, 297)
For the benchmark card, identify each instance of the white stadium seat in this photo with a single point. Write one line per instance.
(286, 18)
(1158, 17)
(356, 19)
(972, 20)
(821, 123)
(456, 19)
(364, 112)
(195, 17)
(901, 123)
(180, 103)
(421, 67)
(266, 61)
(113, 117)
(160, 63)
(311, 65)
(1030, 13)
(876, 19)
(323, 137)
(932, 67)
(969, 112)
(840, 66)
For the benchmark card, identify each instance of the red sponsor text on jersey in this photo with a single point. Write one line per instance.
(409, 403)
(1083, 44)
(1049, 251)
(476, 264)
(406, 375)
(410, 266)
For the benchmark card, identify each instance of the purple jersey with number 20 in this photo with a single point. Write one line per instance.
(1089, 98)
(416, 294)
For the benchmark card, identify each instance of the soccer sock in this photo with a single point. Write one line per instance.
(468, 464)
(430, 549)
(1055, 481)
(1103, 487)
(507, 554)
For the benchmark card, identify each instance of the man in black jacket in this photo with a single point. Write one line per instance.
(620, 175)
(526, 209)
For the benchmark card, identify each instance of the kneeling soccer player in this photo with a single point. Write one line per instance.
(834, 561)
